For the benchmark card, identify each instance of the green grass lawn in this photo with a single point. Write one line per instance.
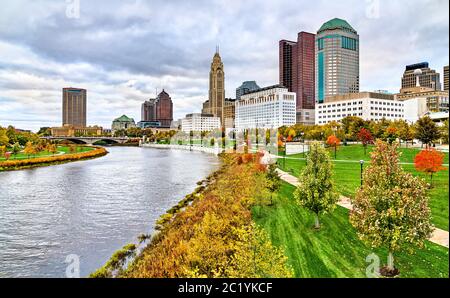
(347, 177)
(335, 250)
(64, 149)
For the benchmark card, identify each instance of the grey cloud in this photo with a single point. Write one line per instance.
(157, 44)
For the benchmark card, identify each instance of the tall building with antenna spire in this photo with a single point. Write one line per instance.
(216, 101)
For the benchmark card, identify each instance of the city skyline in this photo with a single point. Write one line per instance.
(130, 50)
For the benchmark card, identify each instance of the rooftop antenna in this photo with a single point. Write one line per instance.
(417, 73)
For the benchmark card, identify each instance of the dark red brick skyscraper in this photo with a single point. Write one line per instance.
(164, 109)
(297, 62)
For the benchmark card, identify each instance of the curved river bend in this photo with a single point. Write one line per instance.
(89, 208)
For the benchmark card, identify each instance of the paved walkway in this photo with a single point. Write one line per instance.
(439, 236)
(340, 160)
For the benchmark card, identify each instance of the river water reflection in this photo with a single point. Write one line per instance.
(89, 208)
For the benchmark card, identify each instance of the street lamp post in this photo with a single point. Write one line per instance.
(284, 156)
(361, 162)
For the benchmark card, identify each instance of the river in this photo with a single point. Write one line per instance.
(89, 209)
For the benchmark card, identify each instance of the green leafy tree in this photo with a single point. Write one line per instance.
(15, 149)
(391, 208)
(404, 131)
(134, 132)
(378, 128)
(444, 131)
(274, 180)
(426, 131)
(44, 132)
(316, 189)
(120, 133)
(351, 125)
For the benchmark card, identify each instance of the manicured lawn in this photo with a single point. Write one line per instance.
(356, 153)
(64, 149)
(335, 250)
(347, 177)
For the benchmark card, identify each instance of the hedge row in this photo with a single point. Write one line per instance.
(26, 163)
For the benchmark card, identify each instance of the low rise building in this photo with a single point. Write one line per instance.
(200, 122)
(123, 122)
(229, 112)
(414, 109)
(266, 108)
(176, 125)
(366, 105)
(76, 131)
(436, 101)
(148, 124)
(306, 116)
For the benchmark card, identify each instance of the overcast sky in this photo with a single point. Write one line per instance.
(122, 51)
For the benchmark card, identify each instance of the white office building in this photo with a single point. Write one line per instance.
(366, 105)
(415, 108)
(266, 108)
(200, 122)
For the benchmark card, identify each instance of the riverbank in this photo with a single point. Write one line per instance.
(210, 233)
(90, 208)
(212, 150)
(20, 164)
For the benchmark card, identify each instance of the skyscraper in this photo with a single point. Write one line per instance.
(287, 51)
(164, 109)
(305, 79)
(428, 77)
(296, 67)
(74, 107)
(148, 110)
(446, 78)
(159, 109)
(246, 87)
(217, 87)
(337, 59)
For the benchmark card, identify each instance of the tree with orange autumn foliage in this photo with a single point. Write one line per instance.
(429, 161)
(334, 142)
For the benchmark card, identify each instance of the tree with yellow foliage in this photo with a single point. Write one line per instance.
(29, 149)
